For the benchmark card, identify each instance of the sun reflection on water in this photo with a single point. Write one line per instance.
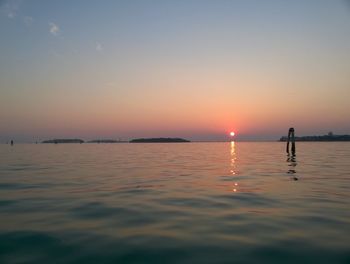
(233, 165)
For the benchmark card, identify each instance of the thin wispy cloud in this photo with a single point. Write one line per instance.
(56, 54)
(11, 15)
(54, 29)
(99, 46)
(28, 20)
(11, 8)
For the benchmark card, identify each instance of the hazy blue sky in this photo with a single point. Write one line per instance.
(195, 69)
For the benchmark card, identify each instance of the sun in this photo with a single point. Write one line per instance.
(232, 133)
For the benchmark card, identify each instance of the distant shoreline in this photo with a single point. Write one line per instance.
(98, 141)
(194, 142)
(159, 140)
(325, 138)
(106, 141)
(63, 140)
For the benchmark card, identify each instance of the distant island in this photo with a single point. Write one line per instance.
(137, 140)
(329, 137)
(105, 141)
(64, 140)
(158, 140)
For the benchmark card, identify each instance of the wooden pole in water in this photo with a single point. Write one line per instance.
(291, 139)
(288, 139)
(293, 142)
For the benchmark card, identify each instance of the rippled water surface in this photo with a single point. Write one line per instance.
(175, 203)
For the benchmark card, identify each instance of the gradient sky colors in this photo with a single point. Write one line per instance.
(194, 69)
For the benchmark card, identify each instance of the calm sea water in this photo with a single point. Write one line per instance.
(175, 203)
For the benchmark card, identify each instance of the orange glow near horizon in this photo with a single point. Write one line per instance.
(171, 80)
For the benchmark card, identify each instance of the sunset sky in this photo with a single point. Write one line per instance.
(192, 69)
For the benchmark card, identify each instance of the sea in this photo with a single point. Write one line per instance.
(224, 202)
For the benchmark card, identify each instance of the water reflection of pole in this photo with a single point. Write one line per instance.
(233, 165)
(291, 158)
(292, 163)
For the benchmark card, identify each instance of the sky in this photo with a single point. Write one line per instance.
(194, 69)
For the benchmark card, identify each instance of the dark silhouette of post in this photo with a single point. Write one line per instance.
(291, 139)
(11, 142)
